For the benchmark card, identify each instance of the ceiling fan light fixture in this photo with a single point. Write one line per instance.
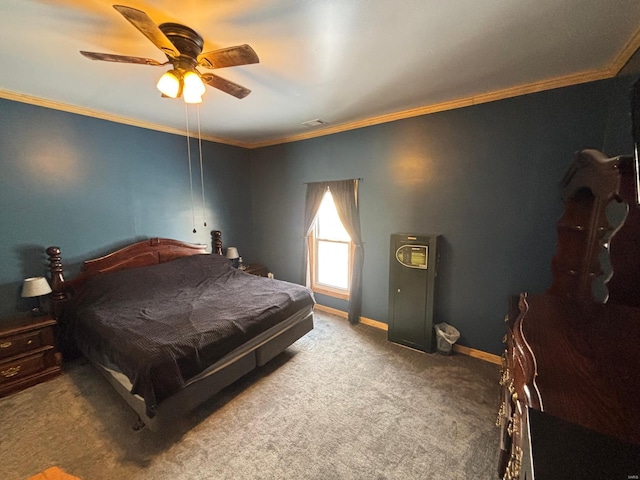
(169, 84)
(193, 85)
(183, 48)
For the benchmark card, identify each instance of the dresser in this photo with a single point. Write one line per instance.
(28, 354)
(571, 353)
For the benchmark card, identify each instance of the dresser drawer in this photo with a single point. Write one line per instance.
(24, 342)
(19, 367)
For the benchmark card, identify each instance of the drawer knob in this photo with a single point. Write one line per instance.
(6, 344)
(10, 372)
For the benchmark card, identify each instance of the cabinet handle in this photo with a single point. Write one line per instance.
(515, 464)
(502, 413)
(505, 377)
(6, 344)
(10, 372)
(512, 429)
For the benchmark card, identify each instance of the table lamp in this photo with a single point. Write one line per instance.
(233, 255)
(36, 287)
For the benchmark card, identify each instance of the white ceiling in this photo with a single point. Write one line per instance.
(348, 62)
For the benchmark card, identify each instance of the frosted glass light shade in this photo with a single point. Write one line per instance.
(191, 98)
(232, 253)
(35, 287)
(169, 84)
(193, 86)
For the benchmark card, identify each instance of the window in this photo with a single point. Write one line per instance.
(331, 251)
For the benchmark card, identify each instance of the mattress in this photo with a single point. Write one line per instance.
(163, 326)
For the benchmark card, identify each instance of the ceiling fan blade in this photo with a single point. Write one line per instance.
(228, 57)
(149, 29)
(225, 85)
(107, 57)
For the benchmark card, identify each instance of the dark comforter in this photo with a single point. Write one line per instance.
(163, 324)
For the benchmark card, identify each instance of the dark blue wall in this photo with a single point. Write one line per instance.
(88, 185)
(485, 177)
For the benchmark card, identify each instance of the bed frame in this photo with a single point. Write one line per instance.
(238, 363)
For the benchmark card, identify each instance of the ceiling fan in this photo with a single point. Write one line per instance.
(183, 48)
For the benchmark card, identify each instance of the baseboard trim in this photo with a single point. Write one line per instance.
(461, 349)
(343, 314)
(472, 352)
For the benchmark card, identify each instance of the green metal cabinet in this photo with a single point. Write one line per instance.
(413, 268)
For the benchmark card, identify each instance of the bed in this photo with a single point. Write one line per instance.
(170, 325)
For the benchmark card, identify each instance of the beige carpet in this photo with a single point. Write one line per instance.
(342, 403)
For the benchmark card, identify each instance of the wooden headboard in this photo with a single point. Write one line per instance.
(140, 254)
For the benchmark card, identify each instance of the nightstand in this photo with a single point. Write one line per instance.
(28, 354)
(256, 269)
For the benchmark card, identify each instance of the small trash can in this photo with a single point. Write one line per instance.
(446, 336)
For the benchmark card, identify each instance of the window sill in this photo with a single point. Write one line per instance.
(331, 292)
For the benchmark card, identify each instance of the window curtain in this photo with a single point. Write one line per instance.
(345, 197)
(315, 192)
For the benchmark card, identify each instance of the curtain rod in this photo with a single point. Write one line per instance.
(327, 181)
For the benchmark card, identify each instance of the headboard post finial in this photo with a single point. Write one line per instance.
(216, 236)
(57, 279)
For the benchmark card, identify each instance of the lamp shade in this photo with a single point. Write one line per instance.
(35, 287)
(193, 85)
(191, 98)
(169, 84)
(232, 253)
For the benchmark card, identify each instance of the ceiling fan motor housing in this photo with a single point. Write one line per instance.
(187, 41)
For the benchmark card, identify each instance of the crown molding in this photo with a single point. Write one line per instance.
(610, 71)
(575, 79)
(65, 107)
(625, 54)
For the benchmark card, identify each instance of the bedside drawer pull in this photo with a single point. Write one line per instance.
(10, 372)
(6, 344)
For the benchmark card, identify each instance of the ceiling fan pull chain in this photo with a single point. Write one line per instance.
(193, 210)
(204, 210)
